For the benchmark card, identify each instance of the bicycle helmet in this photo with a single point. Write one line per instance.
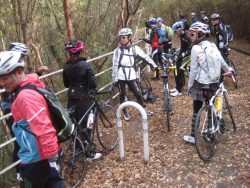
(215, 16)
(192, 14)
(200, 28)
(20, 47)
(178, 26)
(152, 22)
(74, 46)
(160, 20)
(203, 12)
(9, 61)
(125, 32)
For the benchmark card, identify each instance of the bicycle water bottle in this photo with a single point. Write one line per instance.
(218, 103)
(90, 121)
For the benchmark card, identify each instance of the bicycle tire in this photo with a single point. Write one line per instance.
(73, 162)
(235, 73)
(229, 126)
(205, 139)
(106, 127)
(167, 108)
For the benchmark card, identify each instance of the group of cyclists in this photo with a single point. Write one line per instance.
(38, 152)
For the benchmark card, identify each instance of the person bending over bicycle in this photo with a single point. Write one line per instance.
(198, 77)
(167, 45)
(156, 47)
(221, 35)
(32, 126)
(79, 77)
(185, 49)
(124, 64)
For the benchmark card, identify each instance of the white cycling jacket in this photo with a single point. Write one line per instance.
(125, 69)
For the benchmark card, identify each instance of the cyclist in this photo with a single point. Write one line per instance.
(194, 19)
(178, 28)
(6, 101)
(204, 18)
(185, 21)
(156, 47)
(198, 76)
(32, 126)
(124, 68)
(79, 77)
(221, 35)
(168, 44)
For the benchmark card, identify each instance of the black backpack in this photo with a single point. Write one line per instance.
(60, 117)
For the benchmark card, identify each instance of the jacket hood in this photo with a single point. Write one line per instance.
(33, 79)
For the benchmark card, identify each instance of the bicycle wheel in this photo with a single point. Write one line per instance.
(73, 162)
(228, 114)
(205, 138)
(235, 72)
(106, 127)
(167, 108)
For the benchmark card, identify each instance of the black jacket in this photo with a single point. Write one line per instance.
(79, 77)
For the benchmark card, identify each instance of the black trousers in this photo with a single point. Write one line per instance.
(156, 56)
(133, 86)
(180, 78)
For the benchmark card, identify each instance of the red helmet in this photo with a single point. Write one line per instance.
(74, 46)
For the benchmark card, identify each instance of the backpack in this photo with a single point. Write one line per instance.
(170, 33)
(214, 60)
(162, 35)
(59, 116)
(229, 33)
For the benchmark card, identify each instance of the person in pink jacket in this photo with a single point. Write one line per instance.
(39, 146)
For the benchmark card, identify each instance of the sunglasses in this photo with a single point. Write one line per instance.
(123, 37)
(213, 19)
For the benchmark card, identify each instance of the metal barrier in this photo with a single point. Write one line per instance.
(58, 93)
(144, 124)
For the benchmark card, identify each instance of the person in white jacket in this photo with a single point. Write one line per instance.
(199, 76)
(124, 68)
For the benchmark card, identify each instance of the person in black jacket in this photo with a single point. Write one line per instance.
(221, 35)
(79, 77)
(185, 50)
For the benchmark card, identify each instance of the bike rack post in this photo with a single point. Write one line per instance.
(144, 124)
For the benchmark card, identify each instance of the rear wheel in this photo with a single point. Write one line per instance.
(228, 114)
(205, 137)
(106, 127)
(73, 162)
(167, 108)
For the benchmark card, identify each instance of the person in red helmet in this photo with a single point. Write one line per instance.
(79, 77)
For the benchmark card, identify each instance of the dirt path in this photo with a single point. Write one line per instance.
(174, 163)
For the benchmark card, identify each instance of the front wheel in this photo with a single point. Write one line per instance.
(235, 72)
(205, 134)
(228, 114)
(106, 127)
(72, 162)
(167, 108)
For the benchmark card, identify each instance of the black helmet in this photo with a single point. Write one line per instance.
(215, 16)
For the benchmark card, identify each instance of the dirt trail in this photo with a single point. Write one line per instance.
(174, 163)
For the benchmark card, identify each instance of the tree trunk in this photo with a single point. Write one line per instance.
(70, 29)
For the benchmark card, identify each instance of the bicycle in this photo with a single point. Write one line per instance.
(213, 119)
(73, 155)
(167, 106)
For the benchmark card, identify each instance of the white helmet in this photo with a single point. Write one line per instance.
(9, 61)
(125, 32)
(200, 27)
(20, 47)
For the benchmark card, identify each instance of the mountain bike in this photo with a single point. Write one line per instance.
(72, 158)
(167, 105)
(216, 116)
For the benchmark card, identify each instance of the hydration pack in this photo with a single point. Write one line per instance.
(162, 34)
(59, 116)
(229, 33)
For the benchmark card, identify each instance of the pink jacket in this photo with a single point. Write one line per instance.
(30, 111)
